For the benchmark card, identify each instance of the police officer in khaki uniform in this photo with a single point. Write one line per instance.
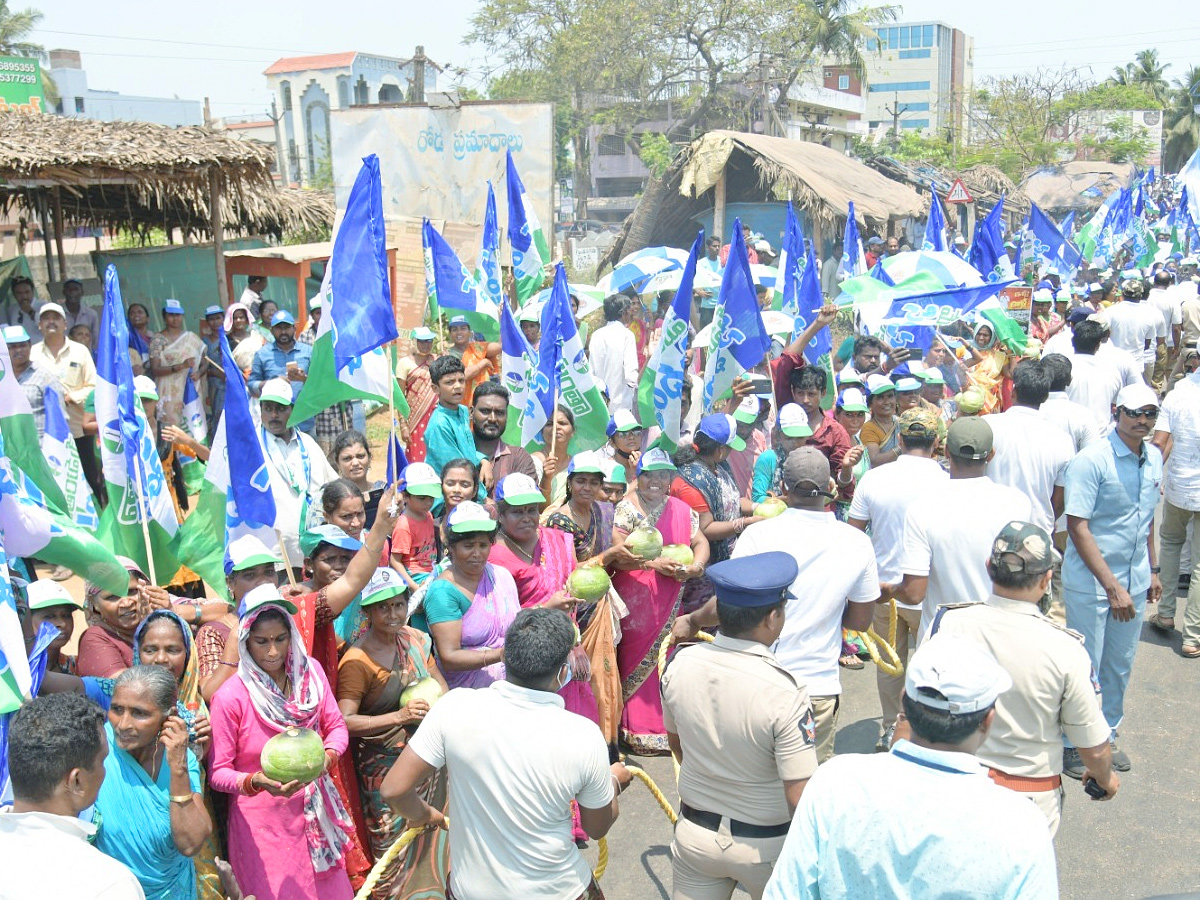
(744, 733)
(1054, 692)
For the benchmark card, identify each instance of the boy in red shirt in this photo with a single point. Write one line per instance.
(414, 548)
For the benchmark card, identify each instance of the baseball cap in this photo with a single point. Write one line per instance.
(145, 388)
(588, 461)
(907, 385)
(847, 377)
(421, 479)
(807, 465)
(1043, 295)
(528, 313)
(458, 320)
(265, 595)
(283, 317)
(655, 460)
(51, 308)
(45, 593)
(722, 428)
(470, 516)
(1022, 547)
(173, 307)
(932, 375)
(960, 670)
(316, 303)
(15, 334)
(873, 240)
(747, 410)
(614, 473)
(879, 384)
(326, 534)
(793, 421)
(246, 552)
(852, 400)
(276, 390)
(969, 438)
(1136, 396)
(918, 422)
(423, 334)
(518, 489)
(764, 245)
(213, 310)
(1095, 288)
(385, 584)
(1079, 314)
(622, 420)
(760, 579)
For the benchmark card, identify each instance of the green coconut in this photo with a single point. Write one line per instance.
(588, 583)
(678, 553)
(295, 754)
(426, 689)
(644, 542)
(770, 508)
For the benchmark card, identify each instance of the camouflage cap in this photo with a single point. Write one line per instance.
(1021, 547)
(918, 422)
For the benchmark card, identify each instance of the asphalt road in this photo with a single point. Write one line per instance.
(1143, 843)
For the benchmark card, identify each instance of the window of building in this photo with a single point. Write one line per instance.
(893, 38)
(927, 36)
(895, 87)
(285, 89)
(343, 91)
(872, 45)
(914, 123)
(903, 45)
(78, 104)
(915, 54)
(916, 107)
(610, 145)
(843, 82)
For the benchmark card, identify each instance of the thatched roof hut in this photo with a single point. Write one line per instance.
(138, 176)
(1080, 185)
(986, 184)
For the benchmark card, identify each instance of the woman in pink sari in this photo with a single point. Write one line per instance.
(651, 592)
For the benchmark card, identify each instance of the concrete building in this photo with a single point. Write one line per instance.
(307, 88)
(919, 77)
(76, 98)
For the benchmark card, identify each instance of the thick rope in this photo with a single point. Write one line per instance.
(602, 862)
(658, 795)
(389, 855)
(869, 637)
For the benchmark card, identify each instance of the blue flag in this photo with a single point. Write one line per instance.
(854, 261)
(1189, 177)
(1067, 225)
(251, 500)
(879, 273)
(987, 254)
(530, 250)
(790, 261)
(519, 373)
(454, 286)
(935, 226)
(939, 308)
(397, 461)
(361, 314)
(1045, 246)
(491, 287)
(739, 338)
(811, 300)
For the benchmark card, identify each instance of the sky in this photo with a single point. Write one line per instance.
(219, 48)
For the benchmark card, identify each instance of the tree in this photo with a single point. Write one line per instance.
(1182, 123)
(1146, 71)
(15, 28)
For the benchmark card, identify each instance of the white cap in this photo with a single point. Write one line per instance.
(51, 308)
(793, 421)
(15, 334)
(1043, 295)
(747, 410)
(45, 593)
(879, 384)
(277, 390)
(763, 244)
(1136, 396)
(960, 670)
(145, 388)
(246, 551)
(422, 479)
(622, 420)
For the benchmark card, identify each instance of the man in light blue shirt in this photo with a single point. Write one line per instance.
(285, 358)
(1110, 570)
(939, 826)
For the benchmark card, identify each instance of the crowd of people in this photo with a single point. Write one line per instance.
(988, 511)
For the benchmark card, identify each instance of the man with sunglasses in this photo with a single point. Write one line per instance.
(1110, 569)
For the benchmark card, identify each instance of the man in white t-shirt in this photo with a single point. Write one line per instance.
(1136, 327)
(1031, 452)
(1073, 418)
(837, 586)
(881, 500)
(1169, 305)
(515, 759)
(948, 534)
(1095, 381)
(56, 752)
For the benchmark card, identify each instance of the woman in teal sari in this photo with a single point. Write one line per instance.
(150, 812)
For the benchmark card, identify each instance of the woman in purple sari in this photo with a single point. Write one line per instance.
(651, 590)
(469, 606)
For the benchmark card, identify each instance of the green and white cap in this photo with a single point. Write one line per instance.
(614, 472)
(589, 461)
(276, 390)
(518, 489)
(44, 593)
(385, 584)
(265, 595)
(470, 516)
(422, 479)
(248, 551)
(793, 421)
(145, 388)
(747, 410)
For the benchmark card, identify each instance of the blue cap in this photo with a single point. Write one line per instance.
(327, 534)
(722, 428)
(283, 317)
(1079, 314)
(213, 310)
(458, 320)
(173, 307)
(760, 579)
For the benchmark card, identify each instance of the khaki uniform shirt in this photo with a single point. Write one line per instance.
(72, 366)
(745, 727)
(1054, 691)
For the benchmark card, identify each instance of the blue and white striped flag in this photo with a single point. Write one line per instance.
(739, 338)
(526, 384)
(987, 255)
(791, 260)
(491, 286)
(854, 260)
(63, 457)
(193, 411)
(454, 288)
(935, 226)
(810, 301)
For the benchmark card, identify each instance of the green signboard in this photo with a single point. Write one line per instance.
(21, 85)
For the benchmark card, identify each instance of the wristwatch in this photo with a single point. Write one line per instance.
(1154, 570)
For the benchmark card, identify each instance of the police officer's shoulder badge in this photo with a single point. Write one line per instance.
(808, 726)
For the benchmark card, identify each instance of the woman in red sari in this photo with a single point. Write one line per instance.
(413, 373)
(651, 591)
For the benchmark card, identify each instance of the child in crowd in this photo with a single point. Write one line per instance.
(414, 547)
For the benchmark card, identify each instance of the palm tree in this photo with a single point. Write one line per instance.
(15, 26)
(1182, 123)
(1147, 71)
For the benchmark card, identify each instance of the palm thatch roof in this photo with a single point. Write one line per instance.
(1081, 185)
(986, 184)
(138, 175)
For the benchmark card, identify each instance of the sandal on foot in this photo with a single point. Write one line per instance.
(1161, 623)
(850, 662)
(1191, 651)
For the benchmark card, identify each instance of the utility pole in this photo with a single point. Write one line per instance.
(280, 156)
(895, 112)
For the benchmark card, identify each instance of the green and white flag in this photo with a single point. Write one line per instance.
(19, 430)
(530, 249)
(572, 380)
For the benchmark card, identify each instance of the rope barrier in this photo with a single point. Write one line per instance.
(388, 857)
(870, 638)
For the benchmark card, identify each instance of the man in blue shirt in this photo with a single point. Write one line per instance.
(285, 359)
(1110, 566)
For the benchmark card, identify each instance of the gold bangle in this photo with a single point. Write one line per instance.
(181, 799)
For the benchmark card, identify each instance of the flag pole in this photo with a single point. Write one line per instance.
(392, 461)
(287, 563)
(144, 514)
(441, 329)
(554, 426)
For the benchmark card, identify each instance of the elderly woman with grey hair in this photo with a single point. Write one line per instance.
(150, 809)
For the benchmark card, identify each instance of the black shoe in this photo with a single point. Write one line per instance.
(1073, 766)
(1120, 759)
(884, 744)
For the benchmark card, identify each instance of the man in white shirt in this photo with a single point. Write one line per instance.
(515, 759)
(252, 296)
(613, 354)
(56, 751)
(1095, 381)
(1031, 453)
(948, 533)
(299, 470)
(71, 363)
(1169, 305)
(936, 825)
(881, 501)
(1073, 418)
(1177, 435)
(837, 586)
(1136, 327)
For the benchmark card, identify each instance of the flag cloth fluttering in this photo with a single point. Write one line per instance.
(63, 456)
(530, 249)
(854, 260)
(19, 430)
(810, 302)
(739, 338)
(451, 287)
(527, 388)
(935, 226)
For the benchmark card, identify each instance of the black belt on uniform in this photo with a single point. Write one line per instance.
(712, 821)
